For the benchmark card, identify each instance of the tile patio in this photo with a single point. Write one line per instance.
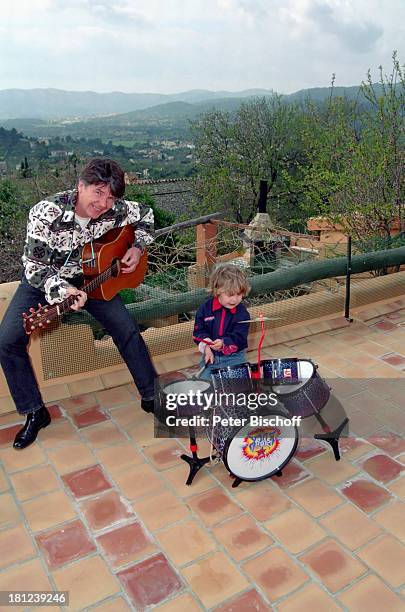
(98, 506)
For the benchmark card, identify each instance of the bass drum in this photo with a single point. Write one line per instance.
(254, 452)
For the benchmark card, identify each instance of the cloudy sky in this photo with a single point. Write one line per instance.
(168, 46)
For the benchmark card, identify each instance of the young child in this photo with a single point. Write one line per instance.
(217, 320)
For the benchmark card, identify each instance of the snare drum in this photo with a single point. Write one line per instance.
(252, 452)
(192, 389)
(232, 377)
(308, 394)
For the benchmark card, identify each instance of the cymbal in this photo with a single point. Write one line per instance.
(260, 319)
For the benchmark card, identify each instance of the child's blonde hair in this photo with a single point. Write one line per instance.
(228, 278)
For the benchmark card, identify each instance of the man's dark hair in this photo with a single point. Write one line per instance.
(107, 171)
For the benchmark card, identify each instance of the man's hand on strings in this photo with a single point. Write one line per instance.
(130, 260)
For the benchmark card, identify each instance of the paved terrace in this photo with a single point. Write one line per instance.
(98, 506)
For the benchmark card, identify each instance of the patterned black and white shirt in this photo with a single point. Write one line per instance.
(53, 246)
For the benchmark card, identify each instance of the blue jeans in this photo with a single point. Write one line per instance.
(221, 361)
(112, 315)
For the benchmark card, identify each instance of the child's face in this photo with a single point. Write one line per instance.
(229, 300)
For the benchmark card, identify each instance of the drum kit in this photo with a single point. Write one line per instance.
(255, 451)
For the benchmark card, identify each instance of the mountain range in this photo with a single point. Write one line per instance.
(51, 104)
(57, 103)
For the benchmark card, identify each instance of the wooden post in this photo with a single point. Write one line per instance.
(206, 238)
(206, 245)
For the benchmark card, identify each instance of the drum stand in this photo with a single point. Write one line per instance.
(331, 436)
(195, 462)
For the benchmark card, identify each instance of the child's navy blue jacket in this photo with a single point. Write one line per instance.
(215, 321)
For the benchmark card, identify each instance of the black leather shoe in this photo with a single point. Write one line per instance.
(148, 405)
(28, 434)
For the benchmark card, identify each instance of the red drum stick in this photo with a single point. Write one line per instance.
(202, 340)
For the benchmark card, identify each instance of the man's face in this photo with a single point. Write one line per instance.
(93, 200)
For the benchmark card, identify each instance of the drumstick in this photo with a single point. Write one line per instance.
(259, 319)
(201, 371)
(202, 340)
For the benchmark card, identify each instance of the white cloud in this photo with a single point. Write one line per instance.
(356, 33)
(134, 45)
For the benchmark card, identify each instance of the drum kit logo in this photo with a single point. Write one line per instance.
(261, 443)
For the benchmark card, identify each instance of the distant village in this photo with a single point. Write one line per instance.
(157, 158)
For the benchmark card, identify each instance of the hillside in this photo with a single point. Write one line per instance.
(179, 113)
(57, 103)
(17, 105)
(172, 111)
(319, 94)
(165, 120)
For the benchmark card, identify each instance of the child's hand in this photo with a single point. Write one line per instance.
(217, 344)
(209, 355)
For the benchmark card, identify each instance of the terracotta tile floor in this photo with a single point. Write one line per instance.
(98, 505)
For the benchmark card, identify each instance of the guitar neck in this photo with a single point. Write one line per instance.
(64, 307)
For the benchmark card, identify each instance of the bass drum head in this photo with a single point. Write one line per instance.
(256, 453)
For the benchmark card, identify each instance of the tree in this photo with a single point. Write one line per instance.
(13, 212)
(260, 141)
(25, 168)
(9, 208)
(355, 154)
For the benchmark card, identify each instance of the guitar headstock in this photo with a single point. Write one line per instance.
(38, 319)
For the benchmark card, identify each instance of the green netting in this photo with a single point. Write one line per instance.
(281, 266)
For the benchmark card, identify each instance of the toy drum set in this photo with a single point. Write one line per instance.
(257, 450)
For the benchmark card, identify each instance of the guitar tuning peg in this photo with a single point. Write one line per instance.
(48, 320)
(32, 326)
(39, 305)
(32, 309)
(40, 325)
(25, 316)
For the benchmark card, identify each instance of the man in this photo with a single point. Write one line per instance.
(57, 229)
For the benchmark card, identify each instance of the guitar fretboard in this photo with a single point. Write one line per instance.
(89, 287)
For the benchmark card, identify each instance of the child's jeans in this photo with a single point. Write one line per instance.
(221, 361)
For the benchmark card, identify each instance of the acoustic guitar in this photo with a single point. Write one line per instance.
(103, 276)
